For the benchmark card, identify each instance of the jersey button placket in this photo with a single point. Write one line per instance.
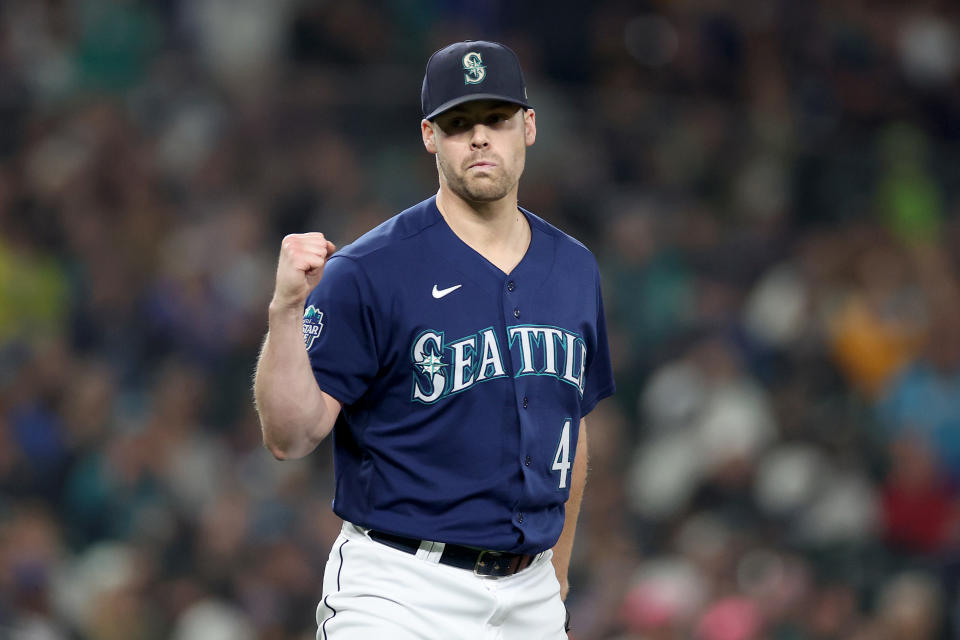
(527, 460)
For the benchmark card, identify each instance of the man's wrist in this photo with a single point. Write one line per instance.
(281, 310)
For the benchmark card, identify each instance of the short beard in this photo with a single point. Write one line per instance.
(475, 191)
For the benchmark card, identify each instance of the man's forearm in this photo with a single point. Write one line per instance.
(291, 407)
(564, 546)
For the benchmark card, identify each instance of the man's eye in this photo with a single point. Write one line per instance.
(458, 123)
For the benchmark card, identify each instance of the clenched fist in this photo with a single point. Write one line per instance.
(302, 257)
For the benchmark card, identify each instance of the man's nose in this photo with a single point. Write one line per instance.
(479, 138)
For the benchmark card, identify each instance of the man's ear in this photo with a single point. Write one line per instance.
(429, 136)
(529, 126)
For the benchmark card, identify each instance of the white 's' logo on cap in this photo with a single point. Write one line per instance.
(475, 70)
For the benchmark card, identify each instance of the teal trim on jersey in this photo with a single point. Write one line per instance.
(503, 366)
(578, 339)
(447, 347)
(469, 345)
(415, 364)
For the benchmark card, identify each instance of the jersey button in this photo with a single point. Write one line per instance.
(527, 460)
(520, 518)
(511, 286)
(525, 402)
(516, 312)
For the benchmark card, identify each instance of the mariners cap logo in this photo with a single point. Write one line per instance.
(474, 67)
(312, 325)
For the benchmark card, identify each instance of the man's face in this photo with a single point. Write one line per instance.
(481, 147)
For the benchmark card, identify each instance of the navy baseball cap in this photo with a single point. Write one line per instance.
(471, 70)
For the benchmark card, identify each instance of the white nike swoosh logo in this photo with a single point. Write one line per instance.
(439, 293)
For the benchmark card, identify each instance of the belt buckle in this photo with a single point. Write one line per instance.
(487, 567)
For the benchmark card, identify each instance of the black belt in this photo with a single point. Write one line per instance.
(479, 561)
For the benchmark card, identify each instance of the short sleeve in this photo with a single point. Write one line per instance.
(598, 381)
(339, 331)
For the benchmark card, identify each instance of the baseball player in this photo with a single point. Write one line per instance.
(453, 352)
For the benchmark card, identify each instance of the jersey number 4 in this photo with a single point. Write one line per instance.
(561, 462)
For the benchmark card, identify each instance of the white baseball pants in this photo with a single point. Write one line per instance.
(372, 592)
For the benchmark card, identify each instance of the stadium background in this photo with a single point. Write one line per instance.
(771, 189)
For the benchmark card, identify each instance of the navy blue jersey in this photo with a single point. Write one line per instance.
(462, 386)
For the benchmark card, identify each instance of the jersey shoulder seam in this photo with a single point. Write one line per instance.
(384, 246)
(553, 230)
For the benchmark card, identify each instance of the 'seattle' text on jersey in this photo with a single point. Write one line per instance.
(542, 350)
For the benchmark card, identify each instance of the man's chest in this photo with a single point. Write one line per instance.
(452, 335)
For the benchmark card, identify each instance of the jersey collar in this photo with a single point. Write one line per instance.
(532, 270)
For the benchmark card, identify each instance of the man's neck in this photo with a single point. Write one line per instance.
(496, 230)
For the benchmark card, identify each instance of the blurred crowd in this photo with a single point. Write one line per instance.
(772, 190)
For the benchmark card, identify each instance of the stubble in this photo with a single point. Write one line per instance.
(494, 185)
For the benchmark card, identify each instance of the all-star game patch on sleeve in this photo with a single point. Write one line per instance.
(338, 331)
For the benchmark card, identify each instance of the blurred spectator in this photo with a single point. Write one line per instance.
(709, 423)
(920, 506)
(910, 607)
(878, 328)
(924, 401)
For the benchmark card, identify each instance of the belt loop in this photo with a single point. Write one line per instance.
(430, 551)
(363, 531)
